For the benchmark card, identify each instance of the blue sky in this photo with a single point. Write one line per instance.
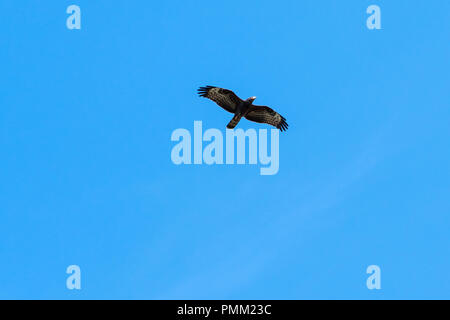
(86, 118)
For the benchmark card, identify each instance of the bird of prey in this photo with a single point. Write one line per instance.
(229, 101)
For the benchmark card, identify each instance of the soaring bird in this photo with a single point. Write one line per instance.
(229, 101)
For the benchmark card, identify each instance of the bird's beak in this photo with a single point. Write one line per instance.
(253, 98)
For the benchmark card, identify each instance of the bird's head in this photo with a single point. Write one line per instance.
(251, 99)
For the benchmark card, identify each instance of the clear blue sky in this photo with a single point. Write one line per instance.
(86, 177)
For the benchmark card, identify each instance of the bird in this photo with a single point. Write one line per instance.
(229, 101)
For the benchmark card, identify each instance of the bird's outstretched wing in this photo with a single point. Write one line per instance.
(223, 97)
(264, 114)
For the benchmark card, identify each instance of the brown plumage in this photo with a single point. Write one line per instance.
(229, 101)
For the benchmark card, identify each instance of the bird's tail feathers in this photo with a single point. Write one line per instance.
(234, 121)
